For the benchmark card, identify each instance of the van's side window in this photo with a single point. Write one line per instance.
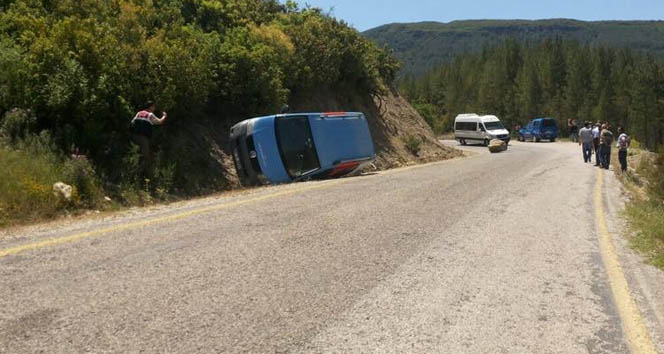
(466, 126)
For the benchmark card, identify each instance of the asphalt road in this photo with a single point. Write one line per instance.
(487, 254)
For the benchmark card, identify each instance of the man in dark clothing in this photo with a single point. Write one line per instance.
(142, 133)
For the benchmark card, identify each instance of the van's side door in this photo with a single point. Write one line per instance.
(481, 131)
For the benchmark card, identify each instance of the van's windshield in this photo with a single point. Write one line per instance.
(296, 145)
(493, 125)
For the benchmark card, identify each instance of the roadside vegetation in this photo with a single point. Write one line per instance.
(73, 74)
(550, 78)
(645, 210)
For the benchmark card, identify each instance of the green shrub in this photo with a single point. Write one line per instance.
(79, 173)
(17, 124)
(413, 144)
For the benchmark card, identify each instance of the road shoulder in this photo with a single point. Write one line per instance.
(645, 281)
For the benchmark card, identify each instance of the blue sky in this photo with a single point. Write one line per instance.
(366, 14)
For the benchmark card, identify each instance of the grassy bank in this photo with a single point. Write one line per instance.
(645, 210)
(30, 168)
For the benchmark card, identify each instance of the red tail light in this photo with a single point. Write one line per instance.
(344, 168)
(334, 114)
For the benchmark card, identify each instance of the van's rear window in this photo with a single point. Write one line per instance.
(549, 123)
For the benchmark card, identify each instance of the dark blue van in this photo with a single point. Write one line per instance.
(539, 129)
(293, 147)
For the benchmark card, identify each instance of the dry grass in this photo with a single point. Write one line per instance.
(645, 210)
(26, 185)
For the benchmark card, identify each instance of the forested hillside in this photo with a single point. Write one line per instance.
(554, 78)
(74, 73)
(422, 46)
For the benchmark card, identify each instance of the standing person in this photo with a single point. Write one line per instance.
(606, 143)
(574, 131)
(596, 133)
(586, 142)
(142, 134)
(623, 144)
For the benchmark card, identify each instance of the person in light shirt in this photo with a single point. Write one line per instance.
(586, 142)
(623, 144)
(596, 133)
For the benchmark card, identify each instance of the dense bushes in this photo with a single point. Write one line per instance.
(83, 68)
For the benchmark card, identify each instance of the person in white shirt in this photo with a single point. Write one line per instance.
(622, 145)
(596, 133)
(586, 141)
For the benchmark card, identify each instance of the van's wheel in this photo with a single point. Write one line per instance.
(486, 142)
(535, 139)
(463, 141)
(553, 140)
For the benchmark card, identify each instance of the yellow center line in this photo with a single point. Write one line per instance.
(163, 219)
(632, 320)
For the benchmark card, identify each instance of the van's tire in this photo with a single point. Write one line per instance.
(463, 142)
(536, 139)
(553, 140)
(486, 142)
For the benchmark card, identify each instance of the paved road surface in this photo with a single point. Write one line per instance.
(489, 254)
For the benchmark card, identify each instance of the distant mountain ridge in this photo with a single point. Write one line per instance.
(423, 45)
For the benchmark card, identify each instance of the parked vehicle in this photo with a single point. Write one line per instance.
(293, 147)
(539, 129)
(474, 128)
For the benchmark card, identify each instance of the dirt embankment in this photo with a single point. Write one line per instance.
(393, 121)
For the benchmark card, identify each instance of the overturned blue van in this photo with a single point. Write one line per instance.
(302, 146)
